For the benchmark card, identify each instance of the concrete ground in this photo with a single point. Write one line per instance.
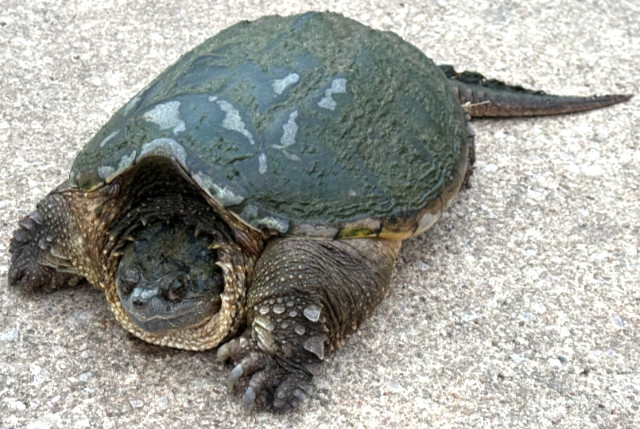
(519, 309)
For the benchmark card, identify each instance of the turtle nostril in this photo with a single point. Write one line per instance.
(139, 303)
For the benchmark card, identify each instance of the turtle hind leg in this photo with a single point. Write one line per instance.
(37, 260)
(305, 297)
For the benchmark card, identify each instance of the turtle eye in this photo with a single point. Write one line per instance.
(177, 289)
(128, 280)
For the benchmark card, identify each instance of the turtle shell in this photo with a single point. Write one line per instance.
(312, 125)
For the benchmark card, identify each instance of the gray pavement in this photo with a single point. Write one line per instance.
(519, 309)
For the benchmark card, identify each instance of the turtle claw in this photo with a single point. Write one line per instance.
(249, 399)
(236, 373)
(268, 385)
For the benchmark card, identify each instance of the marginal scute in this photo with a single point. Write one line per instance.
(398, 227)
(361, 228)
(426, 221)
(327, 232)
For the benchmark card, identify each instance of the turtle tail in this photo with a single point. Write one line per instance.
(482, 97)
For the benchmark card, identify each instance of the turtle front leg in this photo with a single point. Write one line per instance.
(38, 259)
(305, 297)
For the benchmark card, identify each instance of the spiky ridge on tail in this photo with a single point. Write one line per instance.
(482, 97)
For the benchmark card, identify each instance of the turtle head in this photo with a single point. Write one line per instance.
(167, 278)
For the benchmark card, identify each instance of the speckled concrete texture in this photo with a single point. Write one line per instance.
(519, 309)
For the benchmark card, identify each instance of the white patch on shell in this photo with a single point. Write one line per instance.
(108, 173)
(315, 231)
(163, 147)
(426, 221)
(249, 212)
(105, 171)
(107, 138)
(225, 196)
(262, 163)
(272, 222)
(130, 105)
(338, 86)
(166, 115)
(290, 156)
(126, 161)
(232, 120)
(279, 85)
(290, 129)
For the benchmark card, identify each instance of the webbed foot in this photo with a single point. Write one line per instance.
(36, 262)
(266, 383)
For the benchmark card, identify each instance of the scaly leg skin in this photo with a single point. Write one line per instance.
(306, 296)
(38, 262)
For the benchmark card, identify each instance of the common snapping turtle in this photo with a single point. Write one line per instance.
(254, 196)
